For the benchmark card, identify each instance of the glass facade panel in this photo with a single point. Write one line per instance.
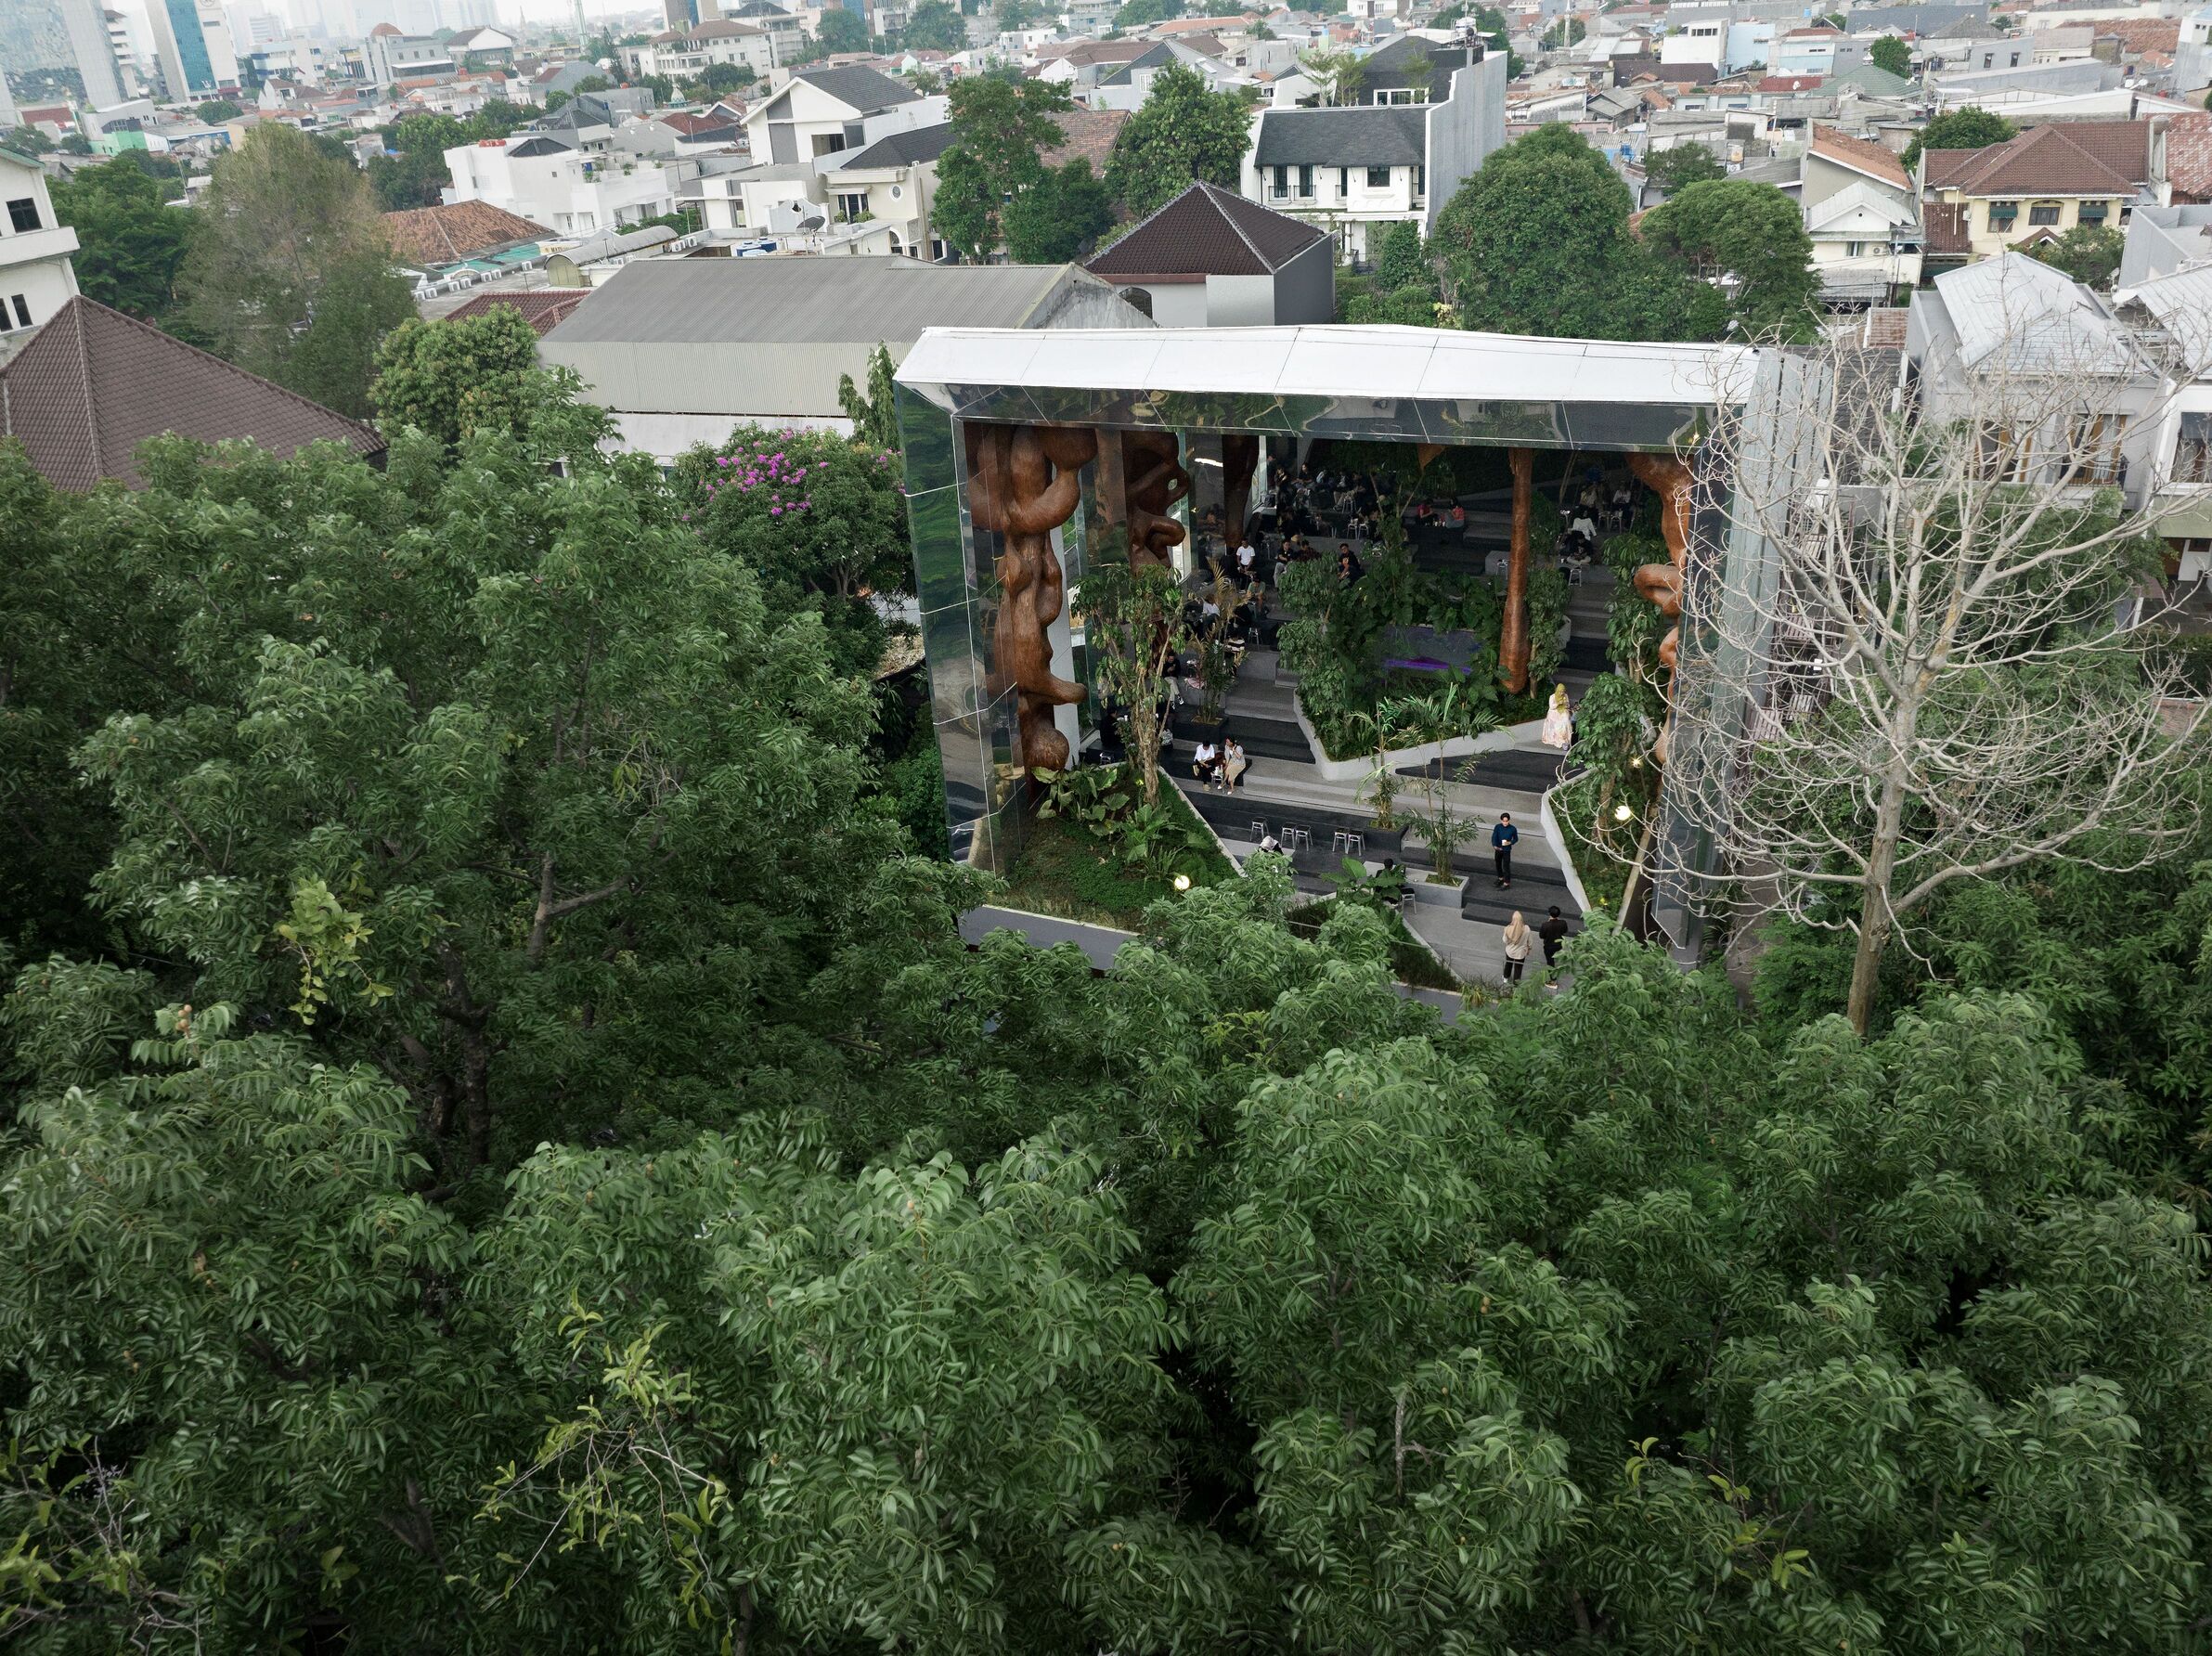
(941, 549)
(926, 438)
(956, 665)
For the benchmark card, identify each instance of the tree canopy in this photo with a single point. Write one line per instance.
(131, 246)
(1971, 127)
(1537, 241)
(450, 377)
(288, 274)
(1890, 53)
(935, 25)
(1001, 130)
(1182, 134)
(1680, 165)
(2089, 254)
(503, 1147)
(1752, 237)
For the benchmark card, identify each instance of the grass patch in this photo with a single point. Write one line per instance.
(1411, 960)
(1064, 870)
(1597, 862)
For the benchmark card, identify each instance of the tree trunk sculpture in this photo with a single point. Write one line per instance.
(1513, 632)
(1156, 480)
(1022, 485)
(1661, 584)
(1240, 460)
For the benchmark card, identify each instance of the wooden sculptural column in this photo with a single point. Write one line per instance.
(1153, 481)
(1240, 460)
(1513, 631)
(1661, 584)
(1022, 485)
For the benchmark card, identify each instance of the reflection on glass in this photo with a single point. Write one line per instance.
(940, 554)
(955, 662)
(926, 439)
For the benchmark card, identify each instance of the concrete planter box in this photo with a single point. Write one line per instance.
(1457, 747)
(1433, 896)
(1557, 839)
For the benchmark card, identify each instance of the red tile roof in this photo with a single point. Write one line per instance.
(544, 308)
(2081, 158)
(1088, 133)
(1860, 155)
(1942, 227)
(1789, 83)
(94, 384)
(449, 234)
(2143, 34)
(2189, 157)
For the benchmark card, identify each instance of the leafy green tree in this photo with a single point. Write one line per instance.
(999, 132)
(1403, 261)
(1140, 14)
(840, 30)
(27, 139)
(935, 25)
(284, 225)
(1009, 16)
(1968, 128)
(1537, 241)
(1059, 217)
(360, 304)
(450, 378)
(818, 517)
(1182, 134)
(2089, 254)
(1680, 165)
(874, 411)
(131, 247)
(1566, 32)
(718, 78)
(1891, 53)
(1752, 237)
(219, 109)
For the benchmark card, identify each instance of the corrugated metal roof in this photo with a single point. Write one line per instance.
(2020, 312)
(801, 301)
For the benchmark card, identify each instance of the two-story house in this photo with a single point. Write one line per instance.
(1353, 171)
(2037, 186)
(818, 111)
(567, 174)
(683, 55)
(1863, 215)
(36, 279)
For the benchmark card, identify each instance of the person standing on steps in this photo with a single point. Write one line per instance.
(1519, 942)
(1553, 933)
(1503, 838)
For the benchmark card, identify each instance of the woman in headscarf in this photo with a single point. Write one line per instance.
(1519, 940)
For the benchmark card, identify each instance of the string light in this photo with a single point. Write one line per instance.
(1183, 882)
(1621, 813)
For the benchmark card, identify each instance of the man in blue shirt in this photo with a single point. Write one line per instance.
(1503, 838)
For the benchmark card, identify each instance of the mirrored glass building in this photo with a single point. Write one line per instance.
(1032, 457)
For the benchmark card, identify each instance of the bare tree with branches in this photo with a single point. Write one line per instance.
(1944, 674)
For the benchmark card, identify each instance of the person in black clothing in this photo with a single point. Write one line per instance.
(1503, 838)
(1553, 933)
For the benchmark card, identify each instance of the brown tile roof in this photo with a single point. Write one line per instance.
(1087, 134)
(1629, 66)
(544, 308)
(1884, 327)
(94, 384)
(1942, 227)
(2189, 157)
(1789, 83)
(1207, 231)
(446, 235)
(1860, 155)
(2144, 35)
(2081, 158)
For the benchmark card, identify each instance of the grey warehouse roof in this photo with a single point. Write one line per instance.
(1396, 135)
(803, 300)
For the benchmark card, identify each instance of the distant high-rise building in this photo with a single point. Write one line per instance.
(192, 46)
(680, 14)
(7, 103)
(125, 50)
(91, 48)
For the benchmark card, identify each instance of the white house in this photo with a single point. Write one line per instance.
(818, 111)
(571, 178)
(1863, 214)
(1349, 170)
(391, 56)
(684, 54)
(36, 279)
